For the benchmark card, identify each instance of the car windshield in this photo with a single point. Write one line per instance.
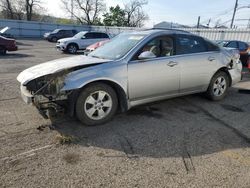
(222, 43)
(118, 46)
(4, 30)
(55, 31)
(80, 35)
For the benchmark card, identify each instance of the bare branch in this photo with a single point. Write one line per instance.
(85, 11)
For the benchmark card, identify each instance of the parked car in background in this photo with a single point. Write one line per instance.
(132, 69)
(7, 44)
(59, 34)
(93, 47)
(3, 32)
(243, 47)
(80, 41)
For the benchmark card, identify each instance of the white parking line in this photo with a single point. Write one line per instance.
(27, 153)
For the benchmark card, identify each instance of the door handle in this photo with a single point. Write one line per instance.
(211, 59)
(172, 64)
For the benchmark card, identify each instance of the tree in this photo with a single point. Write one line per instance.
(85, 11)
(19, 9)
(135, 15)
(115, 17)
(29, 8)
(7, 9)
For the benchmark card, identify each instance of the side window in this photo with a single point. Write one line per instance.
(242, 46)
(89, 35)
(232, 44)
(98, 35)
(190, 45)
(104, 36)
(68, 32)
(211, 46)
(61, 32)
(160, 47)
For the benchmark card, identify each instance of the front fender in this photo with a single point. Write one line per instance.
(113, 72)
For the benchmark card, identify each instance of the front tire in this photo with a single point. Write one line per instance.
(72, 48)
(96, 104)
(3, 51)
(218, 87)
(54, 39)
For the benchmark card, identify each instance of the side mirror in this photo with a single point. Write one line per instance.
(146, 55)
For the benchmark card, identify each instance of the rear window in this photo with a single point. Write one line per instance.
(190, 45)
(211, 46)
(93, 35)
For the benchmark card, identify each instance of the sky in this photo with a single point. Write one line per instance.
(177, 11)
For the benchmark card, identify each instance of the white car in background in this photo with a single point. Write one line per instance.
(80, 41)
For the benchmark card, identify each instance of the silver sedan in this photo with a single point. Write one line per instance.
(132, 69)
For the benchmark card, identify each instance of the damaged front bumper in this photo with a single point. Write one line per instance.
(45, 105)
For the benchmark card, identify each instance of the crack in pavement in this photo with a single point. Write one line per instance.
(236, 131)
(126, 146)
(186, 157)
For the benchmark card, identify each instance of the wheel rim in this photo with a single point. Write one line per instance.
(72, 49)
(98, 105)
(220, 86)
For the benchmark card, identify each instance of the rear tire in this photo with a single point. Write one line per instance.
(96, 104)
(218, 86)
(54, 39)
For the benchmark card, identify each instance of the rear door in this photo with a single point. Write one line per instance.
(89, 39)
(197, 59)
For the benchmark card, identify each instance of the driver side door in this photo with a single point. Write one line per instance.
(155, 76)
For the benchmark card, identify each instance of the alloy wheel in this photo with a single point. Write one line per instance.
(98, 105)
(219, 86)
(72, 49)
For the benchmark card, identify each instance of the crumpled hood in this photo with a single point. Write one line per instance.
(55, 66)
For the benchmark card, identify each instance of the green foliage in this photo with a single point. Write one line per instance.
(115, 17)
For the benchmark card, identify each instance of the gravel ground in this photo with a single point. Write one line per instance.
(182, 142)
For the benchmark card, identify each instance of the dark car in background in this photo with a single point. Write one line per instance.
(7, 44)
(243, 47)
(59, 34)
(3, 32)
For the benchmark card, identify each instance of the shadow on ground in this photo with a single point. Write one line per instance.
(15, 56)
(173, 128)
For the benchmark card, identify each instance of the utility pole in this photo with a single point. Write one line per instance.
(235, 9)
(198, 23)
(209, 21)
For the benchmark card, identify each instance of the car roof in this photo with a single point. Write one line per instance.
(161, 30)
(95, 32)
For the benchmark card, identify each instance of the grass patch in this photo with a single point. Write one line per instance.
(65, 139)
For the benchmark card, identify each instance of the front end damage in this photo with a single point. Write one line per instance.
(46, 95)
